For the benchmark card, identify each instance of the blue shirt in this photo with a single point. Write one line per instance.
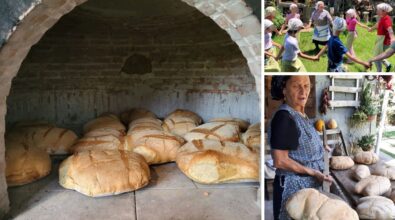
(336, 51)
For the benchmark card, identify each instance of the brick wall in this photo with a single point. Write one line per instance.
(78, 70)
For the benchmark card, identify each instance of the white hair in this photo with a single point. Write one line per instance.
(294, 24)
(292, 6)
(318, 4)
(270, 11)
(384, 7)
(352, 12)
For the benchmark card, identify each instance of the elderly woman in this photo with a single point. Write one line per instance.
(385, 34)
(294, 13)
(322, 21)
(297, 150)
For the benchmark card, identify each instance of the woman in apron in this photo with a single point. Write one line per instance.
(385, 34)
(322, 21)
(297, 149)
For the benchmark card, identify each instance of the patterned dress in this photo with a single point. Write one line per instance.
(310, 153)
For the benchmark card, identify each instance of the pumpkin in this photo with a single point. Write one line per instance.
(319, 124)
(332, 124)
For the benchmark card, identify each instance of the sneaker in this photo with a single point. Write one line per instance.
(388, 68)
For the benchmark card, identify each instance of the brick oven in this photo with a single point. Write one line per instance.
(69, 61)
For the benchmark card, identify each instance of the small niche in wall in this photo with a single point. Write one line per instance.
(137, 64)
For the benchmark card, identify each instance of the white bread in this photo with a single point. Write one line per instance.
(183, 113)
(373, 186)
(48, 137)
(214, 131)
(375, 207)
(242, 124)
(136, 113)
(179, 125)
(104, 121)
(366, 157)
(341, 162)
(360, 172)
(103, 173)
(104, 142)
(252, 137)
(156, 146)
(143, 124)
(212, 161)
(25, 163)
(311, 204)
(384, 170)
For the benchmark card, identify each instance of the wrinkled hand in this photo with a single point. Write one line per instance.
(327, 148)
(367, 65)
(321, 177)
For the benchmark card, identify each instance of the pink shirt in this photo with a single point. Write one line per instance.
(290, 16)
(351, 24)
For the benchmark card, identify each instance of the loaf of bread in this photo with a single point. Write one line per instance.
(183, 113)
(104, 142)
(104, 121)
(179, 125)
(341, 162)
(103, 173)
(104, 132)
(214, 131)
(136, 113)
(366, 157)
(25, 163)
(360, 172)
(213, 161)
(144, 124)
(252, 137)
(243, 125)
(158, 147)
(48, 137)
(384, 170)
(311, 204)
(375, 207)
(373, 186)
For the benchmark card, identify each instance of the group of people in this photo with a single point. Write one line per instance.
(326, 33)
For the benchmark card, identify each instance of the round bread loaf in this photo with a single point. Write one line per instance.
(179, 125)
(183, 113)
(243, 125)
(214, 131)
(104, 121)
(341, 162)
(213, 161)
(104, 172)
(25, 163)
(136, 113)
(252, 137)
(375, 207)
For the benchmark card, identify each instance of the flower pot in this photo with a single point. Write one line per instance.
(371, 117)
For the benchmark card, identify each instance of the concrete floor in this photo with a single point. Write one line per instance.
(170, 195)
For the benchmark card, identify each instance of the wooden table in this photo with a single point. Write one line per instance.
(347, 183)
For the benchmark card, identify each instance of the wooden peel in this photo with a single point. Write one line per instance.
(325, 184)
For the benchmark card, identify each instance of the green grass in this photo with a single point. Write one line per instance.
(363, 47)
(389, 134)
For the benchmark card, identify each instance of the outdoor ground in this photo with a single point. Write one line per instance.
(363, 47)
(170, 195)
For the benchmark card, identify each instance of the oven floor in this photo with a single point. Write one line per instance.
(170, 195)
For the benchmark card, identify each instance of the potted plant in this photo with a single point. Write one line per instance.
(366, 142)
(358, 118)
(368, 103)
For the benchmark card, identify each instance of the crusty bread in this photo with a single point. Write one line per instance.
(373, 186)
(341, 162)
(360, 172)
(25, 163)
(104, 121)
(366, 157)
(136, 113)
(212, 161)
(375, 207)
(144, 124)
(179, 125)
(243, 125)
(48, 137)
(311, 204)
(103, 173)
(384, 170)
(214, 131)
(252, 137)
(104, 142)
(183, 113)
(155, 146)
(105, 131)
